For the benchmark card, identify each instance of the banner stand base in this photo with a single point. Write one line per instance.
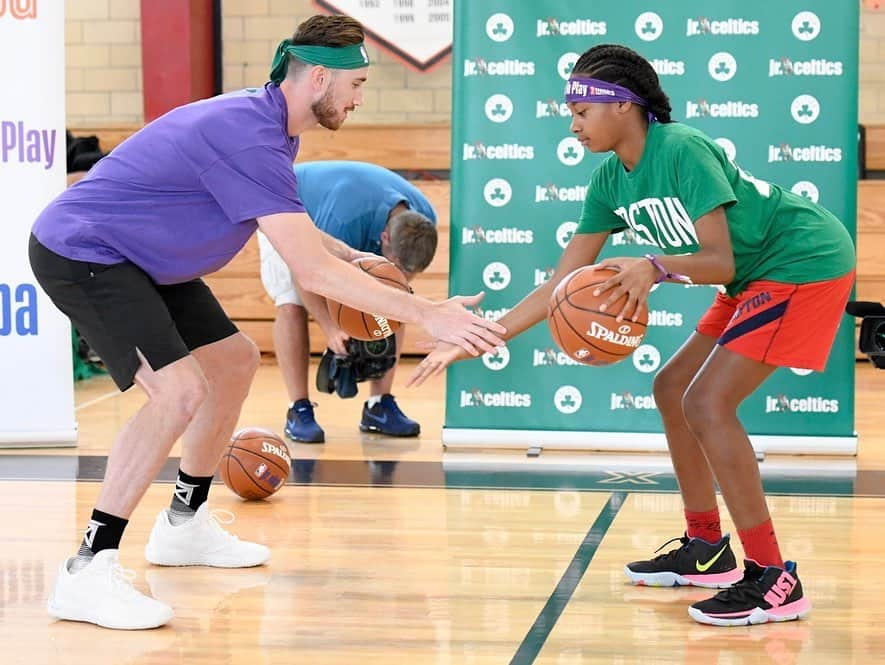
(647, 472)
(634, 441)
(34, 439)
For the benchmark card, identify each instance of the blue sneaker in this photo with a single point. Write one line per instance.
(301, 425)
(385, 417)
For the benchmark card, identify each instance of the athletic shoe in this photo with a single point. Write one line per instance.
(696, 562)
(301, 424)
(102, 593)
(762, 595)
(385, 417)
(201, 542)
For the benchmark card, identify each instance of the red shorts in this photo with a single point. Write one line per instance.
(788, 325)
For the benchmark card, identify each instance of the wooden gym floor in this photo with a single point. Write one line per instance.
(388, 551)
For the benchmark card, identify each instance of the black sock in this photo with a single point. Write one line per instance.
(103, 532)
(190, 493)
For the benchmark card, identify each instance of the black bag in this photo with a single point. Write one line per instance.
(83, 152)
(364, 360)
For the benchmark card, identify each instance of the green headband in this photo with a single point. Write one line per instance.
(334, 57)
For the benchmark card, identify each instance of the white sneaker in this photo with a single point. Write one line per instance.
(102, 593)
(201, 542)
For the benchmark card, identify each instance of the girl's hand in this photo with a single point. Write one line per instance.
(443, 355)
(636, 276)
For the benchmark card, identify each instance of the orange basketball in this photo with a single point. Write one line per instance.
(255, 464)
(583, 332)
(362, 325)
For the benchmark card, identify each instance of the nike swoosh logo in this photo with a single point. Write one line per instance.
(380, 419)
(704, 567)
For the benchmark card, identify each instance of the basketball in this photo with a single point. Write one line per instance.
(255, 464)
(362, 325)
(583, 332)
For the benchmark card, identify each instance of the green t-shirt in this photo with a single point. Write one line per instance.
(683, 175)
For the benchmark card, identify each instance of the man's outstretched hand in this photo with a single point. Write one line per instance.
(450, 321)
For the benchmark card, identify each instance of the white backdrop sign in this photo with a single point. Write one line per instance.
(37, 396)
(417, 31)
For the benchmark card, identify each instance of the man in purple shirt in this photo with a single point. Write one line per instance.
(121, 253)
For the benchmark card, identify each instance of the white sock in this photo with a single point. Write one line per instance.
(373, 400)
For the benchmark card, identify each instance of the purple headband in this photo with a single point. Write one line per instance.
(579, 90)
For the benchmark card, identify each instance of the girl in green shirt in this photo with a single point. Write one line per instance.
(783, 261)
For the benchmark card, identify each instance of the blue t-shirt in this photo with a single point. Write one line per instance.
(179, 198)
(351, 201)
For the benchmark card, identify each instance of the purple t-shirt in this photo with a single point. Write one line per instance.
(179, 198)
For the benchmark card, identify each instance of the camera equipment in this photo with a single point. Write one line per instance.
(364, 360)
(872, 329)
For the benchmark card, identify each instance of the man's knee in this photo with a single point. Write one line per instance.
(244, 357)
(181, 387)
(230, 363)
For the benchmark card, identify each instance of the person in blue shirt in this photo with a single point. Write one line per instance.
(369, 210)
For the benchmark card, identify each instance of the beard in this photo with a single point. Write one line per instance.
(325, 113)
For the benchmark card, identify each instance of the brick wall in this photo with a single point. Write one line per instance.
(872, 66)
(103, 62)
(394, 94)
(103, 66)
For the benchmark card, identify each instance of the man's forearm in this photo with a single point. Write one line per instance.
(338, 249)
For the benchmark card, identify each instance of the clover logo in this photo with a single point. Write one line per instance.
(649, 26)
(806, 26)
(499, 108)
(805, 109)
(722, 66)
(496, 276)
(567, 399)
(497, 192)
(499, 27)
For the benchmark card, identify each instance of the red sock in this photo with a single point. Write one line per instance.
(760, 545)
(704, 525)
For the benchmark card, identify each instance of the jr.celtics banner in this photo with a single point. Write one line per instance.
(775, 83)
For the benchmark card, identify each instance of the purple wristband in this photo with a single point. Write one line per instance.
(685, 279)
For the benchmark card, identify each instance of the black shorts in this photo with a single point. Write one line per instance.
(119, 309)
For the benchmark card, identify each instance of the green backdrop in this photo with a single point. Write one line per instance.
(774, 82)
